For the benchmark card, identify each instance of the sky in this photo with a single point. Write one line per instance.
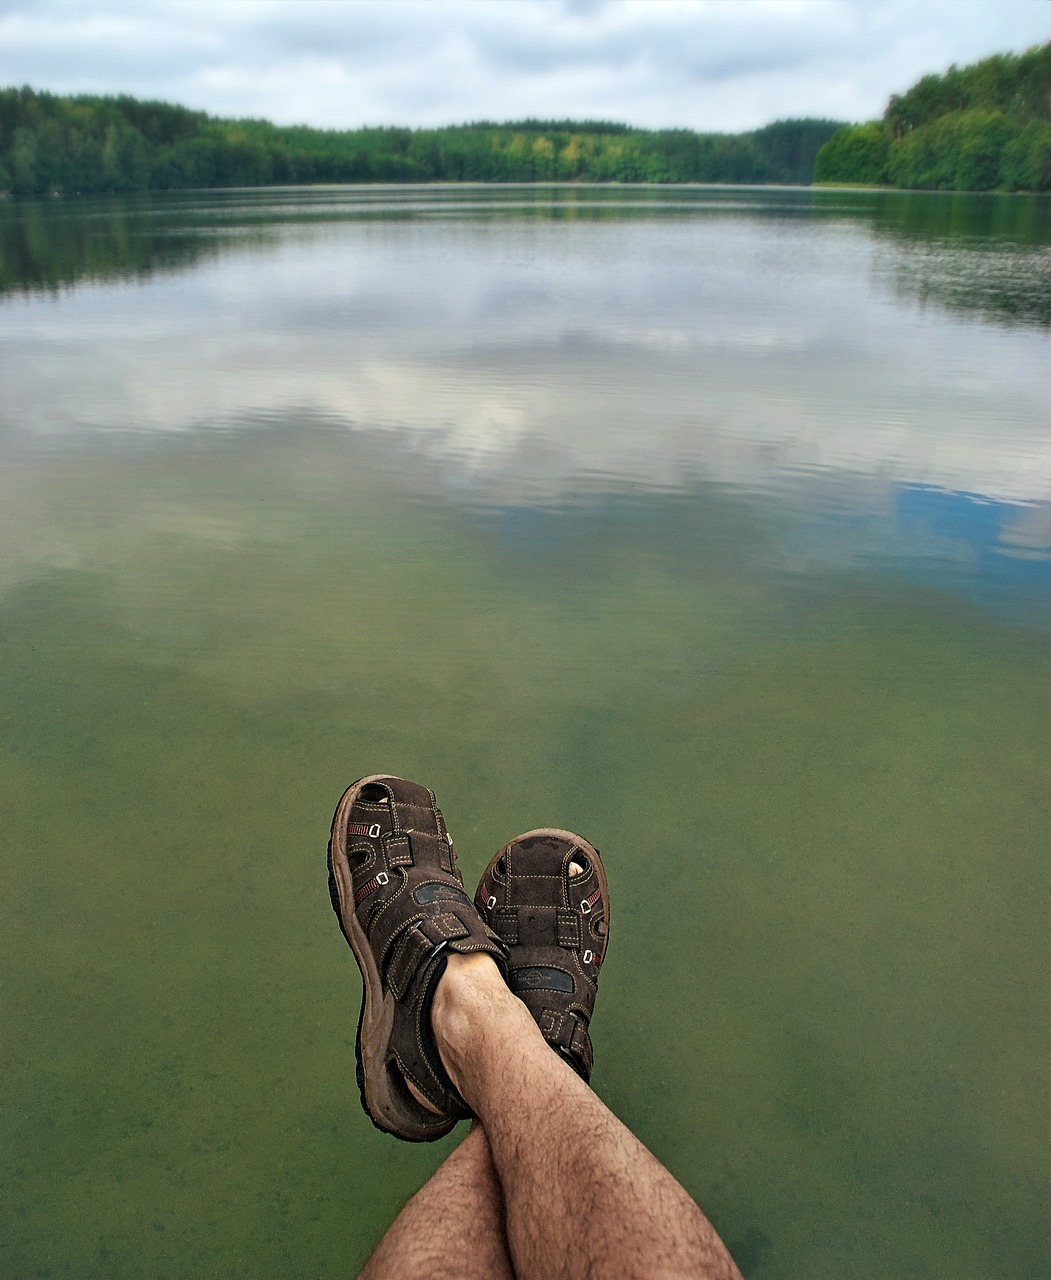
(718, 65)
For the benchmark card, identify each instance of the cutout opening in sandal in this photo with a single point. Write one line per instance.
(373, 793)
(399, 1086)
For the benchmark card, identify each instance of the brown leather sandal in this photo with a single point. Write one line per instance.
(555, 927)
(401, 905)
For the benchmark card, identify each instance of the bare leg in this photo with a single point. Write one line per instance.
(583, 1197)
(453, 1227)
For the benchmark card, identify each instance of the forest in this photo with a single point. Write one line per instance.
(983, 127)
(68, 145)
(986, 127)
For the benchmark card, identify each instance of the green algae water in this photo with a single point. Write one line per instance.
(715, 524)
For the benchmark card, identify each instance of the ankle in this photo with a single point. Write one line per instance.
(470, 1001)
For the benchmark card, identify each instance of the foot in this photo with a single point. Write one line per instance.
(545, 896)
(403, 910)
(471, 987)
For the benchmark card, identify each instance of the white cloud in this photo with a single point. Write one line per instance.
(706, 64)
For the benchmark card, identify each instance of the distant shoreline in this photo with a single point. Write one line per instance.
(93, 145)
(531, 184)
(975, 129)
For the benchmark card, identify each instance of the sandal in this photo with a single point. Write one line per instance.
(401, 905)
(555, 927)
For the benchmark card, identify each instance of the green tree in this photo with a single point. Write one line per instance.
(983, 138)
(855, 154)
(24, 172)
(1032, 171)
(790, 147)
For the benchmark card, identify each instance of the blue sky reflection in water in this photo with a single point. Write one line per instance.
(716, 524)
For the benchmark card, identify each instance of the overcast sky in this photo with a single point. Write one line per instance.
(703, 64)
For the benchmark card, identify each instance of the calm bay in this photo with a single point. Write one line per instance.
(714, 523)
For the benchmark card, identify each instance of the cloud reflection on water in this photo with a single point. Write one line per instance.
(538, 362)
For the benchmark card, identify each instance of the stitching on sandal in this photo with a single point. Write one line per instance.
(381, 878)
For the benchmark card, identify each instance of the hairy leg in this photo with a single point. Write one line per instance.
(583, 1197)
(453, 1227)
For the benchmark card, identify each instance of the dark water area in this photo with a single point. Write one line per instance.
(712, 523)
(50, 245)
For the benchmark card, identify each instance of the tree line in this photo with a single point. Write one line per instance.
(985, 127)
(51, 144)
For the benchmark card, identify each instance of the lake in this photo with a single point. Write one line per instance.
(712, 523)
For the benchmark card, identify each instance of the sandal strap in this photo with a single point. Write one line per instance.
(568, 1034)
(539, 926)
(416, 945)
(398, 908)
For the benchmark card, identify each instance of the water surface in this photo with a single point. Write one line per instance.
(715, 524)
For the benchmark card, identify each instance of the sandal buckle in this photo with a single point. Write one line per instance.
(374, 831)
(490, 902)
(585, 908)
(588, 956)
(382, 878)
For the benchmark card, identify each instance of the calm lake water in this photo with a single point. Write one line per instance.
(712, 523)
